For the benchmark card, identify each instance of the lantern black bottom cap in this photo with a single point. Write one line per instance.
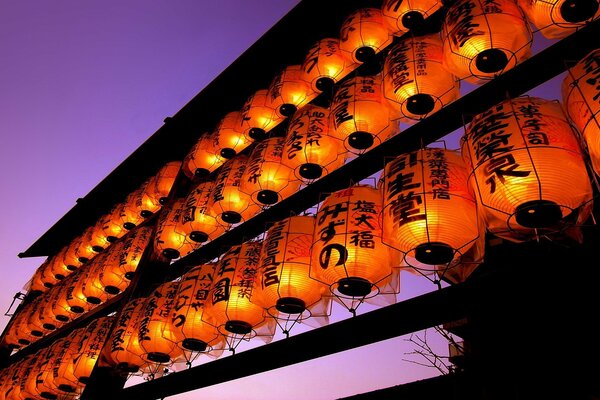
(257, 134)
(48, 285)
(93, 300)
(238, 327)
(287, 110)
(290, 305)
(84, 379)
(170, 253)
(146, 214)
(98, 249)
(158, 357)
(24, 342)
(578, 10)
(355, 287)
(201, 172)
(49, 327)
(48, 395)
(434, 253)
(194, 344)
(112, 289)
(228, 153)
(60, 277)
(128, 368)
(198, 237)
(267, 197)
(62, 318)
(37, 333)
(77, 309)
(66, 388)
(310, 171)
(231, 217)
(129, 225)
(360, 140)
(129, 275)
(538, 214)
(71, 268)
(491, 60)
(420, 104)
(83, 260)
(324, 84)
(413, 20)
(364, 54)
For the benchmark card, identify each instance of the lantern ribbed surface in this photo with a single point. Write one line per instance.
(170, 239)
(125, 350)
(258, 117)
(230, 136)
(401, 16)
(160, 185)
(325, 64)
(364, 34)
(556, 19)
(199, 223)
(90, 346)
(289, 91)
(203, 158)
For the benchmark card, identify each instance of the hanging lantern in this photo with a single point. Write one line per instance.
(75, 298)
(170, 239)
(93, 287)
(155, 330)
(581, 97)
(230, 136)
(144, 203)
(285, 284)
(289, 91)
(90, 345)
(35, 324)
(61, 368)
(309, 150)
(325, 64)
(258, 117)
(129, 214)
(24, 381)
(57, 265)
(39, 282)
(415, 79)
(111, 278)
(265, 178)
(364, 34)
(125, 350)
(402, 16)
(193, 331)
(112, 225)
(51, 311)
(40, 380)
(85, 251)
(203, 158)
(199, 224)
(19, 329)
(526, 167)
(559, 18)
(483, 40)
(359, 113)
(229, 304)
(98, 239)
(60, 306)
(160, 185)
(347, 250)
(70, 256)
(228, 202)
(430, 214)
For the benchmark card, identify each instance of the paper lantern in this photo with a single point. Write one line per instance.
(26, 389)
(230, 303)
(581, 97)
(170, 239)
(35, 324)
(155, 330)
(289, 91)
(228, 202)
(90, 345)
(402, 16)
(39, 282)
(57, 265)
(61, 369)
(526, 166)
(75, 298)
(87, 250)
(360, 115)
(125, 350)
(160, 185)
(266, 179)
(415, 79)
(347, 251)
(60, 307)
(145, 202)
(310, 150)
(559, 18)
(230, 135)
(483, 40)
(203, 159)
(429, 213)
(112, 225)
(111, 278)
(88, 286)
(258, 117)
(325, 64)
(193, 330)
(52, 312)
(40, 317)
(285, 285)
(199, 223)
(41, 380)
(364, 34)
(18, 389)
(70, 257)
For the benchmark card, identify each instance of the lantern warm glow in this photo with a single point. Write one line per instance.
(96, 238)
(230, 136)
(61, 375)
(230, 304)
(228, 202)
(430, 214)
(199, 223)
(325, 64)
(360, 115)
(125, 350)
(581, 94)
(347, 251)
(145, 204)
(285, 284)
(112, 225)
(160, 185)
(483, 41)
(289, 91)
(89, 348)
(70, 255)
(415, 78)
(60, 307)
(310, 150)
(266, 179)
(526, 165)
(203, 158)
(90, 286)
(50, 310)
(258, 117)
(57, 265)
(170, 239)
(401, 16)
(559, 18)
(128, 214)
(364, 34)
(75, 298)
(86, 250)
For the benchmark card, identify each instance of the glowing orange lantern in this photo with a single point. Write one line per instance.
(35, 325)
(228, 202)
(430, 214)
(75, 298)
(482, 41)
(230, 136)
(61, 368)
(199, 224)
(203, 158)
(289, 91)
(97, 238)
(527, 167)
(50, 309)
(160, 185)
(258, 117)
(57, 265)
(310, 151)
(40, 283)
(325, 64)
(125, 350)
(39, 317)
(364, 34)
(559, 18)
(40, 380)
(265, 178)
(347, 251)
(403, 15)
(285, 284)
(229, 302)
(86, 250)
(92, 287)
(111, 278)
(580, 92)
(415, 79)
(170, 239)
(130, 216)
(359, 113)
(111, 224)
(144, 202)
(60, 306)
(131, 250)
(28, 385)
(155, 330)
(193, 331)
(70, 255)
(90, 346)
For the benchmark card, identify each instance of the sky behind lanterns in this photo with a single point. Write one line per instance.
(82, 85)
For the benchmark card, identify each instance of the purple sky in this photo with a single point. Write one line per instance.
(82, 85)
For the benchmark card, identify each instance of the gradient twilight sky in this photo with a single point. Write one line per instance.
(82, 85)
